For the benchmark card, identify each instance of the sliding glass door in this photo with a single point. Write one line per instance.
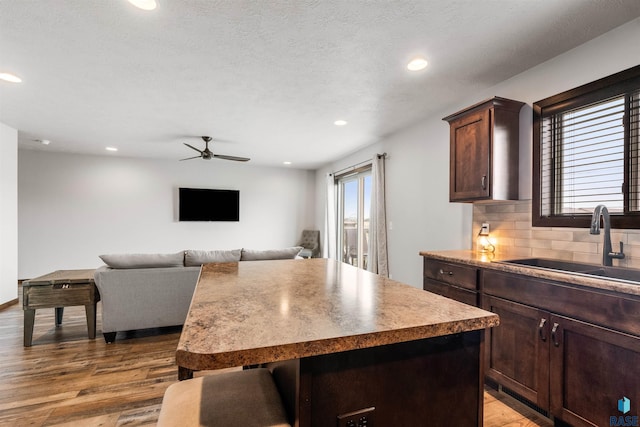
(354, 197)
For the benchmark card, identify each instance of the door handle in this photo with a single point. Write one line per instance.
(541, 330)
(554, 334)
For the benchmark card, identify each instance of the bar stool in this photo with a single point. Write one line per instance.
(240, 398)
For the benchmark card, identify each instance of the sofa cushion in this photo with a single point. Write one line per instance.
(194, 258)
(143, 260)
(258, 255)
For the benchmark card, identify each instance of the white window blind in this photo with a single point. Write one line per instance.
(634, 152)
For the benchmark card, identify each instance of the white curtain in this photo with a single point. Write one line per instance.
(330, 231)
(378, 261)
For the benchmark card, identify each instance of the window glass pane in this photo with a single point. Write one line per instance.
(355, 218)
(366, 218)
(350, 221)
(589, 169)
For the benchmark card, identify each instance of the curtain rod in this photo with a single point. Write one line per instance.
(357, 165)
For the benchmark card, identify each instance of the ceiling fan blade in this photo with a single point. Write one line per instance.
(234, 158)
(189, 158)
(192, 147)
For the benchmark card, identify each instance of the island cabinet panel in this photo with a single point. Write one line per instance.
(484, 147)
(455, 281)
(556, 346)
(407, 384)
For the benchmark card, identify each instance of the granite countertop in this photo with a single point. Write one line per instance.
(484, 261)
(264, 311)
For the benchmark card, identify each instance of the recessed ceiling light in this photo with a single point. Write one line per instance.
(417, 64)
(8, 77)
(111, 149)
(340, 122)
(44, 141)
(286, 163)
(144, 4)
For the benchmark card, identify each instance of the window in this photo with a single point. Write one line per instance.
(586, 153)
(354, 198)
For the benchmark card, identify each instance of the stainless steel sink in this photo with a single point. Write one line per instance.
(613, 273)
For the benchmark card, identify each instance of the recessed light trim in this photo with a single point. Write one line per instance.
(8, 77)
(44, 141)
(111, 149)
(144, 4)
(417, 64)
(286, 163)
(340, 122)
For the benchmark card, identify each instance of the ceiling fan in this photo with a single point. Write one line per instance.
(208, 155)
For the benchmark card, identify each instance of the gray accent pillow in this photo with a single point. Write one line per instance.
(143, 260)
(194, 258)
(256, 255)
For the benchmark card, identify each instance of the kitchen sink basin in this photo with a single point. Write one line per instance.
(613, 273)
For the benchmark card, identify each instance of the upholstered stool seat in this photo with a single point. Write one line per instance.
(239, 398)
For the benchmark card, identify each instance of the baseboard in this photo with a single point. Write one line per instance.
(8, 304)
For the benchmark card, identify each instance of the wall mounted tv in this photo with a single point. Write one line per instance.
(202, 204)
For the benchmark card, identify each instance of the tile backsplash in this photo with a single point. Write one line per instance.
(513, 236)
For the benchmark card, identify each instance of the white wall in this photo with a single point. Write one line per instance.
(418, 163)
(8, 214)
(73, 208)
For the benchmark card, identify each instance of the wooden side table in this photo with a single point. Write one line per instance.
(62, 288)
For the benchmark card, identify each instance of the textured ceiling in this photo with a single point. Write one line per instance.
(269, 78)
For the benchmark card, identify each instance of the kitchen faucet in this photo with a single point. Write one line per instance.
(607, 251)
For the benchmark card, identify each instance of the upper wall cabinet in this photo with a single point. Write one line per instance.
(485, 143)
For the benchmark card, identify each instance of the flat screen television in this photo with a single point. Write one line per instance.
(202, 204)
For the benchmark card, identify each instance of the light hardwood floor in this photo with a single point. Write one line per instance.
(66, 379)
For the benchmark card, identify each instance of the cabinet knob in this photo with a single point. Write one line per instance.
(541, 328)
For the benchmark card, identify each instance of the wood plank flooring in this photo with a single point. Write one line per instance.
(66, 379)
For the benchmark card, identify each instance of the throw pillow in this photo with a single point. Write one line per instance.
(257, 255)
(194, 258)
(143, 260)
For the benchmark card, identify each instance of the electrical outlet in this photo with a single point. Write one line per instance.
(359, 418)
(484, 229)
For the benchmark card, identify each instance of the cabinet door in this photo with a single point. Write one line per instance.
(518, 352)
(591, 369)
(470, 157)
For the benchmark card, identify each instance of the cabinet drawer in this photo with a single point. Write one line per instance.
(619, 312)
(56, 296)
(459, 294)
(463, 276)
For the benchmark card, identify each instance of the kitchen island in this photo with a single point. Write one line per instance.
(340, 340)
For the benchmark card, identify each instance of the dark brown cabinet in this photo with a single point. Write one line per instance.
(518, 352)
(591, 368)
(452, 280)
(484, 151)
(576, 369)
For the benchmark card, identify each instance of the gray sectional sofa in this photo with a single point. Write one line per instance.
(140, 291)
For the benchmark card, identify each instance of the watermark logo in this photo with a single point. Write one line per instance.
(624, 406)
